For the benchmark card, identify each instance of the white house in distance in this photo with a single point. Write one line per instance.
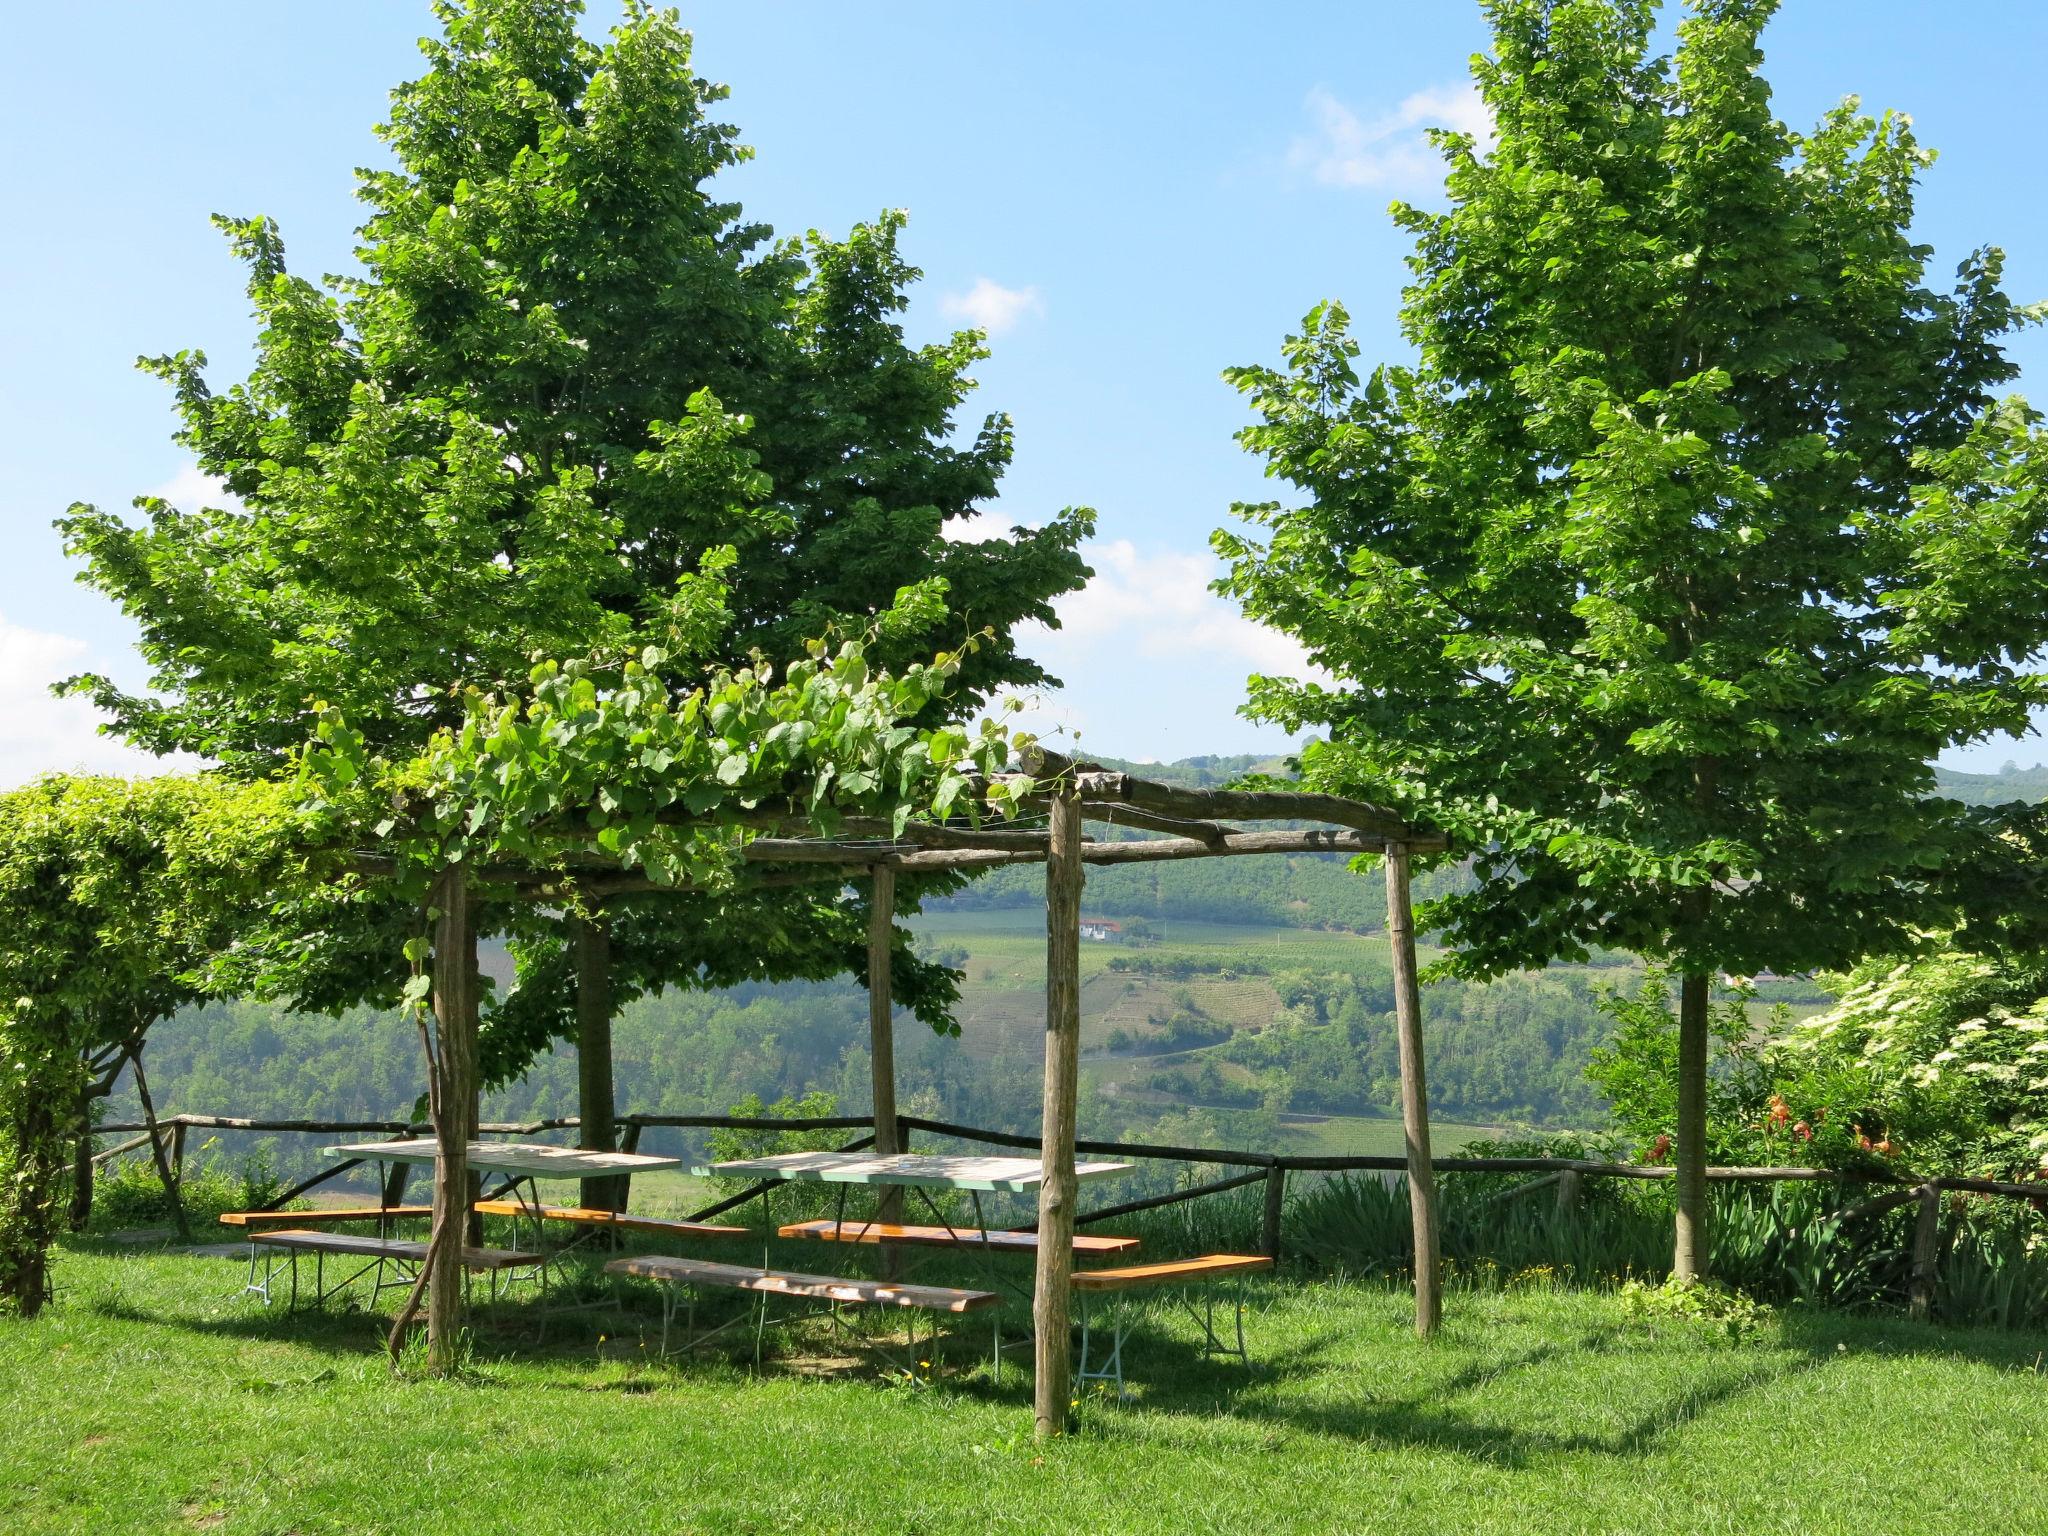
(1102, 930)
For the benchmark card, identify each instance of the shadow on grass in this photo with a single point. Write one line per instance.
(1180, 1378)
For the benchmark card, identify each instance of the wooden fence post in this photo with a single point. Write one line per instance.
(1568, 1191)
(1926, 1235)
(1052, 1299)
(1276, 1195)
(1414, 1093)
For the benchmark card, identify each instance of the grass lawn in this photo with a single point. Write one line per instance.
(144, 1401)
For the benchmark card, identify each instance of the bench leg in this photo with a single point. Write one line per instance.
(1113, 1370)
(1212, 1342)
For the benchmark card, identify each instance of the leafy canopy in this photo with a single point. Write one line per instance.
(572, 403)
(1692, 534)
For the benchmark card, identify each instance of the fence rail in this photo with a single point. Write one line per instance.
(166, 1138)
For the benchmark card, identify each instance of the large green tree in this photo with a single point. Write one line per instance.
(566, 378)
(1688, 538)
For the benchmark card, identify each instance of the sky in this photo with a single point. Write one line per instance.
(1129, 198)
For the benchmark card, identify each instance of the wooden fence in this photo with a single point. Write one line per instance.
(166, 1139)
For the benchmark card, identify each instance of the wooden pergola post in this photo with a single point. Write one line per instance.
(453, 1083)
(1414, 1093)
(597, 1129)
(882, 1029)
(1052, 1300)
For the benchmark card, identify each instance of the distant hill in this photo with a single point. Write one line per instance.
(2013, 783)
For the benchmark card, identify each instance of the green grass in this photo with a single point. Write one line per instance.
(144, 1401)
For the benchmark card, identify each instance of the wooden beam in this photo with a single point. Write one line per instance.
(1414, 1094)
(1098, 787)
(1052, 1298)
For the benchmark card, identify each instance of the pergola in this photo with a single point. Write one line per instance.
(1178, 823)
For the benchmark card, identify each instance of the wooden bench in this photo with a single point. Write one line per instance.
(376, 1252)
(617, 1221)
(257, 1221)
(1177, 1275)
(253, 1222)
(691, 1275)
(830, 1231)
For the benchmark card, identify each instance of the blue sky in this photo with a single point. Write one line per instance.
(1132, 197)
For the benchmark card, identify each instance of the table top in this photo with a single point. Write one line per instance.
(530, 1157)
(930, 1171)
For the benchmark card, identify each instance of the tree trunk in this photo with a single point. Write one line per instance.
(592, 941)
(1414, 1095)
(454, 1104)
(173, 1196)
(80, 1214)
(882, 1031)
(1052, 1301)
(26, 1234)
(1689, 1146)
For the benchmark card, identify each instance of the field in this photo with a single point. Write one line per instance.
(145, 1402)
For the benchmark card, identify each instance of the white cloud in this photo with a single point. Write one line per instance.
(989, 306)
(1145, 638)
(975, 528)
(43, 734)
(192, 488)
(1389, 152)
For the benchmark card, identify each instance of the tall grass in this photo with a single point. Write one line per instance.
(1785, 1243)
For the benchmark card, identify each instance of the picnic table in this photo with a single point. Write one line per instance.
(920, 1172)
(522, 1164)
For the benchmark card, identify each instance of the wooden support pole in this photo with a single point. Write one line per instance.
(1414, 1093)
(1276, 1196)
(1926, 1237)
(454, 1081)
(597, 1131)
(1052, 1299)
(882, 1030)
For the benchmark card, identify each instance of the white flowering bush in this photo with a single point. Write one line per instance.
(1947, 1054)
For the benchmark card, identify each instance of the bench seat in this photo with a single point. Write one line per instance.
(622, 1221)
(356, 1245)
(255, 1221)
(1170, 1272)
(776, 1282)
(943, 1237)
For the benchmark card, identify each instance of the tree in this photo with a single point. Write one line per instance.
(1691, 536)
(114, 899)
(569, 384)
